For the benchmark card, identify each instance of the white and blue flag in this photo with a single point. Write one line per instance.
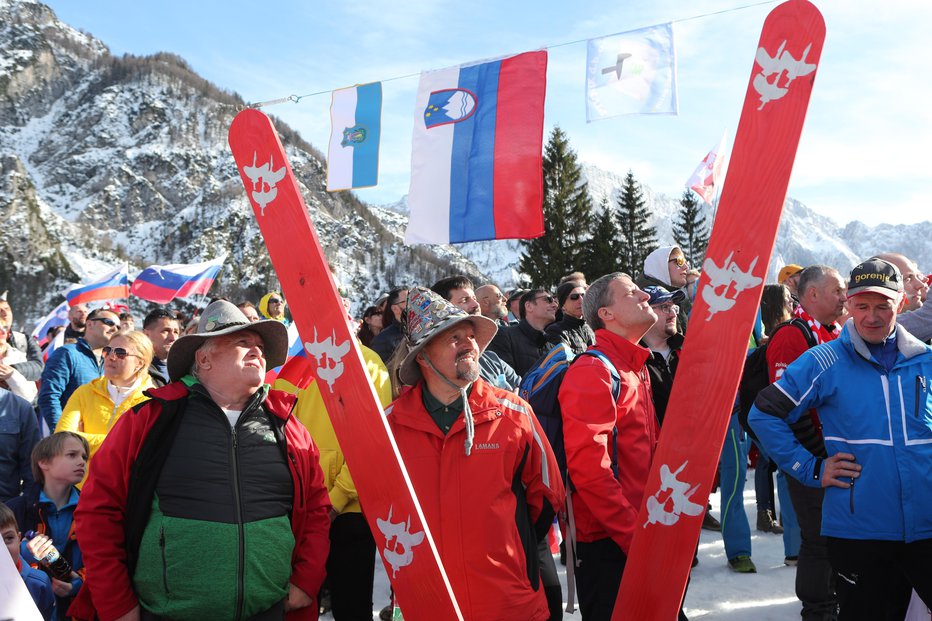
(631, 73)
(353, 156)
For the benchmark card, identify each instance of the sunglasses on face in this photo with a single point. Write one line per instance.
(680, 261)
(274, 301)
(119, 352)
(577, 296)
(549, 298)
(107, 322)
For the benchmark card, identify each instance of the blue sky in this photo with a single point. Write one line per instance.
(863, 150)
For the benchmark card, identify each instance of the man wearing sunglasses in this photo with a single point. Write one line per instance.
(572, 328)
(521, 345)
(668, 267)
(75, 363)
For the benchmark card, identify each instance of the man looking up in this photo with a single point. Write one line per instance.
(213, 474)
(609, 442)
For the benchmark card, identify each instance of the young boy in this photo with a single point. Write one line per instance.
(37, 582)
(58, 463)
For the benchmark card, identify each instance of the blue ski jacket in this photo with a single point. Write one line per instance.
(883, 419)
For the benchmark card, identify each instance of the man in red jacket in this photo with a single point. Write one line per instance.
(207, 502)
(482, 468)
(609, 442)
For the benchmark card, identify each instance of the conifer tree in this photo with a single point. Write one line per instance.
(690, 229)
(567, 217)
(603, 251)
(638, 237)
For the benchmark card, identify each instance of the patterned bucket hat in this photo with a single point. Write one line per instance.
(427, 315)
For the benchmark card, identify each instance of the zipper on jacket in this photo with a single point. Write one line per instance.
(851, 497)
(920, 383)
(164, 560)
(237, 504)
(294, 462)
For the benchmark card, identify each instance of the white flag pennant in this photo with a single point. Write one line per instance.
(631, 73)
(710, 173)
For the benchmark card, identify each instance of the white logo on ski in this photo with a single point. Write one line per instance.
(721, 279)
(774, 66)
(263, 180)
(679, 497)
(399, 542)
(331, 369)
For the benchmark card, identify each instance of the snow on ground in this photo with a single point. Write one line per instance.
(715, 592)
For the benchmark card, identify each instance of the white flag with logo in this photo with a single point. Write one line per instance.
(631, 73)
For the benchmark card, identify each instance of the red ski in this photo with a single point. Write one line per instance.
(395, 517)
(733, 275)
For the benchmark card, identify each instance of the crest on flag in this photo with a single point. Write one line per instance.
(355, 129)
(631, 73)
(451, 105)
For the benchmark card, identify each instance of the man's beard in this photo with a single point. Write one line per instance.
(467, 370)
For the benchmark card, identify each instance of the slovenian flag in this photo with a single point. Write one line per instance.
(110, 286)
(58, 317)
(355, 121)
(163, 283)
(476, 162)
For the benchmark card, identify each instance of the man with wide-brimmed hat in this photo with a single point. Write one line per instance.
(871, 387)
(481, 466)
(207, 502)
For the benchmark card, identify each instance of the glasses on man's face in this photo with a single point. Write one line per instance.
(548, 298)
(577, 296)
(107, 322)
(119, 352)
(680, 261)
(669, 309)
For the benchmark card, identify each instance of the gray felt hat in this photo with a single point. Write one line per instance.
(219, 318)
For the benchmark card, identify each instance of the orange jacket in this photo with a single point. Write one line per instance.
(483, 509)
(604, 506)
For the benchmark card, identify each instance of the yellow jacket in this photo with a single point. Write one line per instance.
(311, 411)
(90, 413)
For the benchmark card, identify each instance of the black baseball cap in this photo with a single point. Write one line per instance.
(876, 276)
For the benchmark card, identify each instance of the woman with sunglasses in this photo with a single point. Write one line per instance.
(95, 407)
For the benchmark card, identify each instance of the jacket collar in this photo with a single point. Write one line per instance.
(538, 336)
(618, 349)
(908, 345)
(408, 409)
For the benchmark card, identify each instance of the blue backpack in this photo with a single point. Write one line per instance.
(540, 387)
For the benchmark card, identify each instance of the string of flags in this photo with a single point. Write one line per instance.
(478, 133)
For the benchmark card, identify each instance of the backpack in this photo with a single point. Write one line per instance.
(756, 375)
(540, 387)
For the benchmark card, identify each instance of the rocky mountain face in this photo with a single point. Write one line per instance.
(106, 159)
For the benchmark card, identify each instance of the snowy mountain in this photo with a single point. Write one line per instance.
(106, 159)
